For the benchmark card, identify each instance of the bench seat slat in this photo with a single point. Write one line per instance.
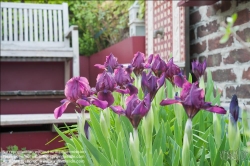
(37, 54)
(29, 119)
(32, 93)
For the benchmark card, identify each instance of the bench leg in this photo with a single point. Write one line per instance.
(53, 128)
(66, 71)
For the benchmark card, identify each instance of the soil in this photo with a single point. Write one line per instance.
(30, 158)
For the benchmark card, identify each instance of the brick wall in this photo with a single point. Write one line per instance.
(229, 62)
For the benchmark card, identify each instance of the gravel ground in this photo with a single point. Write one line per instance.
(29, 158)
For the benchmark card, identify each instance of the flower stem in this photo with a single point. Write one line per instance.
(134, 147)
(217, 129)
(81, 122)
(187, 141)
(149, 123)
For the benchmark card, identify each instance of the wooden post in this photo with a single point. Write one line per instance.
(75, 46)
(65, 22)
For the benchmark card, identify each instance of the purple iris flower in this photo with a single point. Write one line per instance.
(138, 63)
(158, 65)
(129, 69)
(150, 58)
(192, 99)
(111, 61)
(136, 109)
(77, 90)
(122, 77)
(151, 84)
(180, 80)
(172, 70)
(199, 68)
(86, 129)
(124, 81)
(234, 110)
(105, 85)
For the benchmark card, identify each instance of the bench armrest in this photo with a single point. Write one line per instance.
(69, 32)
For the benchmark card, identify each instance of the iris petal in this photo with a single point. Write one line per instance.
(169, 102)
(106, 96)
(160, 81)
(118, 110)
(195, 96)
(234, 108)
(83, 102)
(132, 89)
(140, 111)
(99, 66)
(150, 58)
(179, 80)
(122, 91)
(99, 103)
(216, 109)
(59, 110)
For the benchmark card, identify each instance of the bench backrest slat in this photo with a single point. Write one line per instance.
(15, 25)
(31, 23)
(10, 25)
(20, 24)
(35, 26)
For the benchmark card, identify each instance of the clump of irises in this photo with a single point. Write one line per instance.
(138, 84)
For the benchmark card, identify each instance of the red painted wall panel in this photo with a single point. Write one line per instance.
(30, 140)
(84, 66)
(124, 51)
(32, 106)
(31, 76)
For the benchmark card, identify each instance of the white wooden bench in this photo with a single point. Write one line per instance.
(38, 32)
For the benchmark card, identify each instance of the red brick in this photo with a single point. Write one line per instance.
(208, 29)
(214, 60)
(215, 44)
(202, 59)
(223, 75)
(198, 48)
(246, 74)
(222, 6)
(240, 55)
(242, 91)
(243, 17)
(195, 18)
(210, 11)
(244, 35)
